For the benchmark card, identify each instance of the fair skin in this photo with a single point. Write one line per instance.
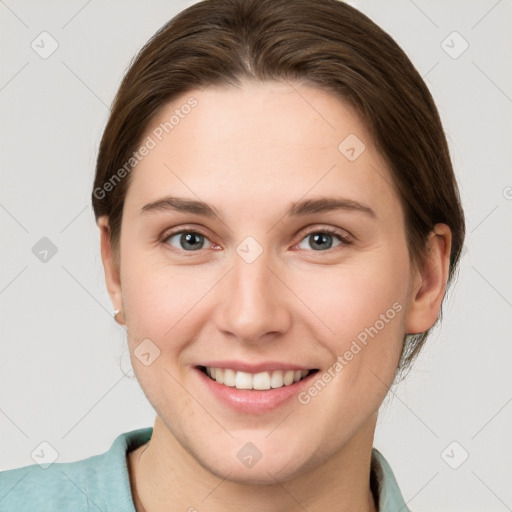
(250, 152)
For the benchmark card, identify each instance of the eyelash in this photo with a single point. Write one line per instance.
(341, 237)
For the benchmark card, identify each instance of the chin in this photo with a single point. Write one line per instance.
(267, 467)
(262, 473)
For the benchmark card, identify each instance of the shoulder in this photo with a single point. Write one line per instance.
(100, 482)
(56, 487)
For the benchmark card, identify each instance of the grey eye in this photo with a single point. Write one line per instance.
(321, 240)
(187, 240)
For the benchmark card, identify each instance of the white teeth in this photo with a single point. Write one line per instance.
(229, 377)
(259, 381)
(276, 381)
(243, 380)
(288, 377)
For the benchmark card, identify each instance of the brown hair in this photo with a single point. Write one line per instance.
(325, 43)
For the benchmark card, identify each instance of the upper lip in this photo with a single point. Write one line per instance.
(265, 366)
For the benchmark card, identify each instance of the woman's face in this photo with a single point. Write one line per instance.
(230, 261)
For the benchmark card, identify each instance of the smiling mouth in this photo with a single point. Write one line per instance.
(255, 381)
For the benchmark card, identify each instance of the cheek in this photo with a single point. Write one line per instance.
(155, 295)
(367, 318)
(164, 303)
(363, 308)
(160, 303)
(356, 300)
(156, 301)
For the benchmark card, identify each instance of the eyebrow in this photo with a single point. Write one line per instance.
(297, 209)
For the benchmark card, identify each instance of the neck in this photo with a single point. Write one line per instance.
(162, 473)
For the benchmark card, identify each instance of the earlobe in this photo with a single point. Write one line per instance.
(430, 283)
(110, 266)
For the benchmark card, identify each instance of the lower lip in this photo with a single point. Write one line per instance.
(253, 401)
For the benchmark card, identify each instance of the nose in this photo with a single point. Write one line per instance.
(253, 302)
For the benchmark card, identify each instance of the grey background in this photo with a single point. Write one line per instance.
(62, 357)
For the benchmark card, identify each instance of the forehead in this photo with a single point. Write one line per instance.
(279, 141)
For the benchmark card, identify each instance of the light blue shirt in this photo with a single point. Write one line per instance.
(102, 482)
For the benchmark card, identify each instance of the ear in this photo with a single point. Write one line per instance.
(110, 265)
(430, 282)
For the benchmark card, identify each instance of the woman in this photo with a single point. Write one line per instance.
(279, 221)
